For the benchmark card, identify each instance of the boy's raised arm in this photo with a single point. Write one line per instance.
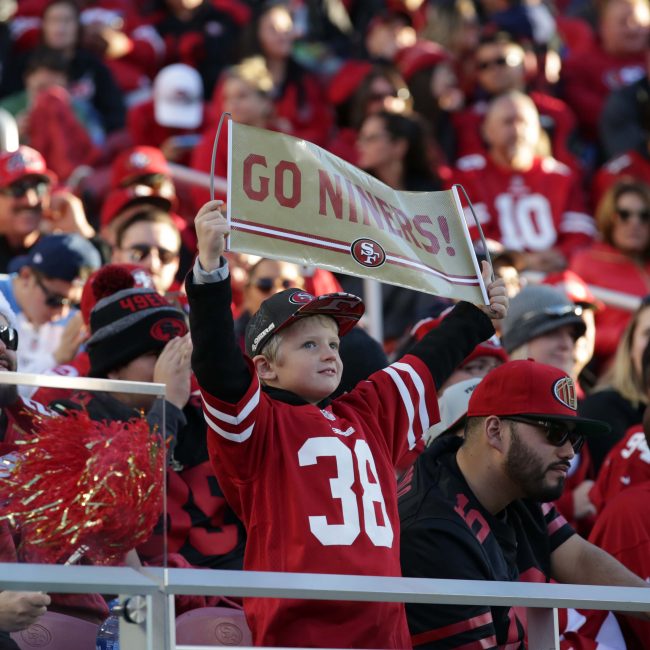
(444, 347)
(217, 360)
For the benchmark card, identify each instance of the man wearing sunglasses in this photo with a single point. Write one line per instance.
(44, 287)
(26, 198)
(478, 508)
(24, 187)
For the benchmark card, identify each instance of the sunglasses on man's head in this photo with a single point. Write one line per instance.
(139, 252)
(53, 299)
(265, 285)
(626, 215)
(21, 187)
(9, 336)
(557, 433)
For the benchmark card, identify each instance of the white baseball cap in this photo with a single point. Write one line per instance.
(178, 97)
(453, 407)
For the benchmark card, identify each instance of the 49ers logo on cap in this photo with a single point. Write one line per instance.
(301, 297)
(139, 160)
(168, 328)
(565, 391)
(368, 252)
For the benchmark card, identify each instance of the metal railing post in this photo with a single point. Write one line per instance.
(543, 629)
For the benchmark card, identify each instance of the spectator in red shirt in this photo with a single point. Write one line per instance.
(503, 65)
(526, 201)
(246, 94)
(620, 260)
(616, 59)
(298, 96)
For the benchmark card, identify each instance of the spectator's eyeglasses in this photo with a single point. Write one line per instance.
(625, 215)
(150, 180)
(266, 285)
(9, 336)
(20, 188)
(53, 299)
(557, 433)
(139, 252)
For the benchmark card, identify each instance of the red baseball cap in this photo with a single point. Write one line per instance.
(23, 162)
(421, 55)
(122, 198)
(574, 287)
(135, 162)
(531, 389)
(348, 78)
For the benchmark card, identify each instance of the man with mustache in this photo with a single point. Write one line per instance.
(477, 509)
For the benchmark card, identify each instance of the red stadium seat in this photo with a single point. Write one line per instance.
(57, 632)
(214, 626)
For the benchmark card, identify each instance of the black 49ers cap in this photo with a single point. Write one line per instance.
(284, 308)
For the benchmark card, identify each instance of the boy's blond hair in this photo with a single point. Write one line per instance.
(270, 350)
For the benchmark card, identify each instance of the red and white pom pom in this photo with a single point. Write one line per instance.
(81, 487)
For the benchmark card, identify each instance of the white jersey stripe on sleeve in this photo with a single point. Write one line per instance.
(406, 399)
(233, 437)
(234, 419)
(419, 387)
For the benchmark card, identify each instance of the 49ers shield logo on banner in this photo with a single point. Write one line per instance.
(368, 252)
(565, 391)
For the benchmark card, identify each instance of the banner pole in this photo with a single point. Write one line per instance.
(374, 309)
(214, 152)
(478, 226)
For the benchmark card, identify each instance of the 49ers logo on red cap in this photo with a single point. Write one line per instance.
(139, 160)
(565, 391)
(301, 297)
(168, 328)
(368, 252)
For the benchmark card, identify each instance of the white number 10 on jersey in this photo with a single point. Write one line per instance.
(341, 486)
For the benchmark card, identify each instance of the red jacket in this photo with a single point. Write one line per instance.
(605, 266)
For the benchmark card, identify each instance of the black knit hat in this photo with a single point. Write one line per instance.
(130, 323)
(284, 308)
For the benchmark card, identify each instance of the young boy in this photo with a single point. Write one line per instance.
(314, 482)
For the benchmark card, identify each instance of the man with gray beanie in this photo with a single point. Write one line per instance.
(545, 325)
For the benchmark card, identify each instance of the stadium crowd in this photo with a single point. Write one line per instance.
(540, 110)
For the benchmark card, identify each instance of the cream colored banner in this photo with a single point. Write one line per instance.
(292, 200)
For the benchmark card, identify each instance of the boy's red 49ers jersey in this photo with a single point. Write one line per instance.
(316, 491)
(534, 210)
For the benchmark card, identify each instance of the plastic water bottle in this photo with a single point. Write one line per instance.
(108, 637)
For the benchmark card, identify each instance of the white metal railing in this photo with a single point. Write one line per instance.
(160, 585)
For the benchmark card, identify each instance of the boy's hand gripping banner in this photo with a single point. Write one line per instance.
(291, 200)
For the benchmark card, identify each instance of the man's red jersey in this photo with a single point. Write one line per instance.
(623, 530)
(626, 465)
(534, 210)
(343, 517)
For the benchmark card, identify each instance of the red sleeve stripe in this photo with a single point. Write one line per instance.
(407, 401)
(458, 628)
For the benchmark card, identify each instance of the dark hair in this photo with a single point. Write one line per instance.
(418, 163)
(44, 57)
(148, 215)
(250, 44)
(353, 112)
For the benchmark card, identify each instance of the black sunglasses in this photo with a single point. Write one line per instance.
(625, 215)
(21, 187)
(265, 285)
(53, 299)
(557, 433)
(9, 336)
(139, 252)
